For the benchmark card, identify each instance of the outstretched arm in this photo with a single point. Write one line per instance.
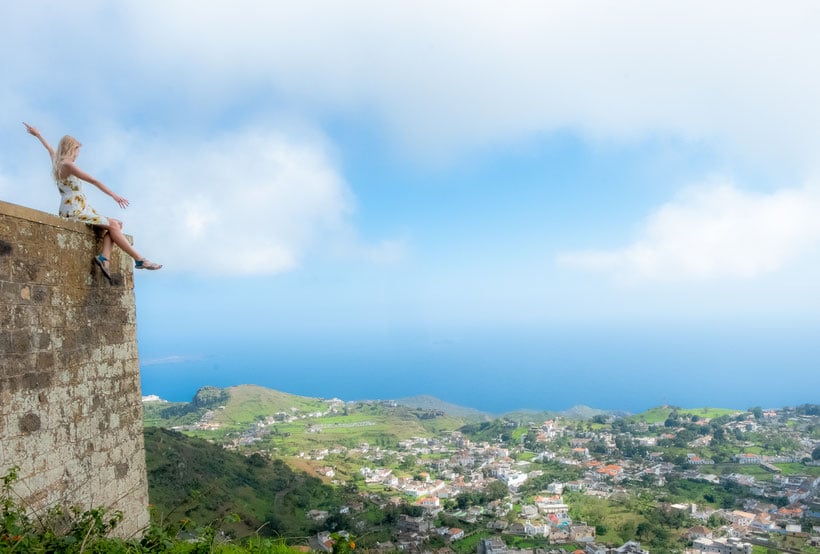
(36, 133)
(72, 169)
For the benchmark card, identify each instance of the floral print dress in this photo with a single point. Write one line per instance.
(73, 204)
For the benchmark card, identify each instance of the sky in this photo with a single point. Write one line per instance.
(532, 204)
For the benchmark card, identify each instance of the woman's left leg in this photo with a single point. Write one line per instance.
(107, 245)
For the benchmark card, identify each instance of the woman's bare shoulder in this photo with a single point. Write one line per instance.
(67, 169)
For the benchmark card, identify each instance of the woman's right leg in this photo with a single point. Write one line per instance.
(116, 235)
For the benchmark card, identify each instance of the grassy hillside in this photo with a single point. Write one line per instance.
(372, 423)
(288, 424)
(576, 412)
(248, 402)
(232, 407)
(189, 478)
(454, 410)
(661, 413)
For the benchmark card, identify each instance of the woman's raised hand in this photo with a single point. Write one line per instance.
(32, 130)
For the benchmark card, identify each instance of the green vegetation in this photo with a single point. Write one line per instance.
(642, 517)
(661, 413)
(653, 415)
(431, 403)
(499, 430)
(553, 472)
(526, 543)
(75, 531)
(614, 522)
(799, 469)
(468, 545)
(708, 413)
(703, 493)
(246, 403)
(288, 424)
(518, 433)
(193, 479)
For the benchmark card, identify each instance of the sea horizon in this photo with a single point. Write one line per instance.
(612, 372)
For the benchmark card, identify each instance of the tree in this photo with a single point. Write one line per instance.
(815, 455)
(342, 545)
(496, 490)
(412, 510)
(436, 541)
(408, 463)
(628, 530)
(257, 460)
(720, 457)
(715, 521)
(445, 520)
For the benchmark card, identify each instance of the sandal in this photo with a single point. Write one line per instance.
(145, 264)
(102, 261)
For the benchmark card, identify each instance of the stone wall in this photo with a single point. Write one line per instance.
(70, 398)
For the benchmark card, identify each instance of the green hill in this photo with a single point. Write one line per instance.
(247, 403)
(433, 403)
(287, 424)
(660, 414)
(579, 412)
(190, 478)
(233, 406)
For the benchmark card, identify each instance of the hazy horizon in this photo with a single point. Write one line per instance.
(540, 373)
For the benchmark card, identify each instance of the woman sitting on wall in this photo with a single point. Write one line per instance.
(74, 206)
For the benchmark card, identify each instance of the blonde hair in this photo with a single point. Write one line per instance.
(68, 148)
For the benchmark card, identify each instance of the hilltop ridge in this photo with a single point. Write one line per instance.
(242, 404)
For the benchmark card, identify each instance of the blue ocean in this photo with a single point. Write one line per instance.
(496, 373)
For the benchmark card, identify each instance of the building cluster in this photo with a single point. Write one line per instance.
(456, 465)
(610, 461)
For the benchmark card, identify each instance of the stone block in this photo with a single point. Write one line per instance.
(29, 423)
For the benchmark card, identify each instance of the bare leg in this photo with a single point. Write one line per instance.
(116, 236)
(107, 244)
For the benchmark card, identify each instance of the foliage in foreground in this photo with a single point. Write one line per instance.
(75, 531)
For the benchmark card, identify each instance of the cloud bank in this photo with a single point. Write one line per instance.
(251, 202)
(445, 75)
(714, 231)
(442, 78)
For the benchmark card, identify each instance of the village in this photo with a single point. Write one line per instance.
(507, 489)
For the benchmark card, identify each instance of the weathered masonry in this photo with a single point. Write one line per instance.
(70, 399)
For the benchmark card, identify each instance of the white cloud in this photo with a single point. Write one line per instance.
(173, 359)
(253, 202)
(445, 75)
(714, 231)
